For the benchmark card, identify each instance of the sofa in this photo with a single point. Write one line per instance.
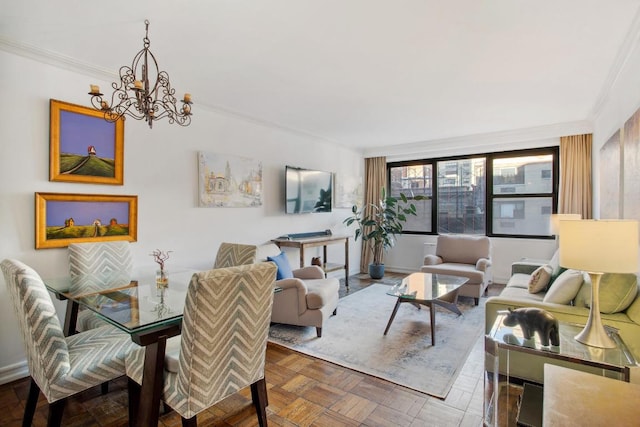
(567, 297)
(462, 255)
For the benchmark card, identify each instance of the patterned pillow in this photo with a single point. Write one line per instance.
(540, 279)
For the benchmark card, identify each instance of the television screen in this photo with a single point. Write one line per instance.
(307, 190)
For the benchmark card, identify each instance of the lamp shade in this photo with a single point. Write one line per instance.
(554, 223)
(603, 246)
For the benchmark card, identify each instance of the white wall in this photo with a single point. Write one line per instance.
(619, 103)
(161, 168)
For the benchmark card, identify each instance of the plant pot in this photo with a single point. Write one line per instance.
(376, 271)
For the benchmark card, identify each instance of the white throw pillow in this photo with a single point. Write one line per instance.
(554, 263)
(540, 279)
(565, 288)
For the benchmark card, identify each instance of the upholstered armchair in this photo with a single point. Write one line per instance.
(223, 343)
(462, 255)
(307, 297)
(59, 366)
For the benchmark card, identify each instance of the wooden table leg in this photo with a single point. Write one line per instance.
(432, 313)
(152, 383)
(449, 301)
(71, 318)
(301, 256)
(395, 310)
(346, 263)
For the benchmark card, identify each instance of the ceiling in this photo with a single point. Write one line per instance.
(360, 73)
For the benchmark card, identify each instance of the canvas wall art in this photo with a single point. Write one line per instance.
(62, 219)
(349, 191)
(226, 181)
(631, 167)
(83, 146)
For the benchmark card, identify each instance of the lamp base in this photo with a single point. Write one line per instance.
(594, 334)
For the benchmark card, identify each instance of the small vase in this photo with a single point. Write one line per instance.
(162, 279)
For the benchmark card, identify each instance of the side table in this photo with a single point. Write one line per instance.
(574, 398)
(503, 391)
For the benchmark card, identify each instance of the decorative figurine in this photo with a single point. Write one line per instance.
(533, 320)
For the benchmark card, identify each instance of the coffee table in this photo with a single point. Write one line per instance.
(427, 289)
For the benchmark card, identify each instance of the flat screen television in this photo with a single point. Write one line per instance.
(307, 190)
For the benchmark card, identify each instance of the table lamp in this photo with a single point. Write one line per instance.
(554, 223)
(597, 247)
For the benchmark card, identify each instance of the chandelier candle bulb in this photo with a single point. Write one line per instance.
(95, 89)
(137, 84)
(187, 98)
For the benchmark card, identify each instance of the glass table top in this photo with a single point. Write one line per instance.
(569, 348)
(131, 302)
(426, 286)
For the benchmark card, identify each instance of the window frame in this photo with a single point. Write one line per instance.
(554, 151)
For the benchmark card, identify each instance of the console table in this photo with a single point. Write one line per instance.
(324, 241)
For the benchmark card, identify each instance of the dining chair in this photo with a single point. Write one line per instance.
(234, 254)
(223, 343)
(59, 366)
(93, 267)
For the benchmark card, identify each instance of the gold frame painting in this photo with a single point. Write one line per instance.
(62, 219)
(83, 146)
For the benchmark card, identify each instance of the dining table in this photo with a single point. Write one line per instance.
(150, 313)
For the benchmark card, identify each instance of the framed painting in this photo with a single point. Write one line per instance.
(62, 219)
(226, 181)
(83, 146)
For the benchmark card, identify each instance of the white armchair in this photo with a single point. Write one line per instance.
(306, 299)
(463, 255)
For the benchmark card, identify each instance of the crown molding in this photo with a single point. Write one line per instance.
(54, 59)
(539, 136)
(629, 45)
(65, 62)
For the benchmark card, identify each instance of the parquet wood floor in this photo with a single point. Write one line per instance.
(303, 391)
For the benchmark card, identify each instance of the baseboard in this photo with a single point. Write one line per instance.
(14, 372)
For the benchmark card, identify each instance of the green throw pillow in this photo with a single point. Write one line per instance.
(617, 292)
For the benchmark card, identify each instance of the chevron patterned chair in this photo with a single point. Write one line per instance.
(223, 343)
(234, 254)
(59, 366)
(94, 267)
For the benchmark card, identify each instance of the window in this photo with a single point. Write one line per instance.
(460, 198)
(525, 198)
(497, 194)
(412, 180)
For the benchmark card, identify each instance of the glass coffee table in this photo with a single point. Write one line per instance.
(427, 289)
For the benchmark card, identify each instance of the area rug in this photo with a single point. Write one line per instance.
(354, 339)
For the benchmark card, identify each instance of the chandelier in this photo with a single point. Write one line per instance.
(139, 98)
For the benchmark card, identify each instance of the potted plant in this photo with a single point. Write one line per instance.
(378, 225)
